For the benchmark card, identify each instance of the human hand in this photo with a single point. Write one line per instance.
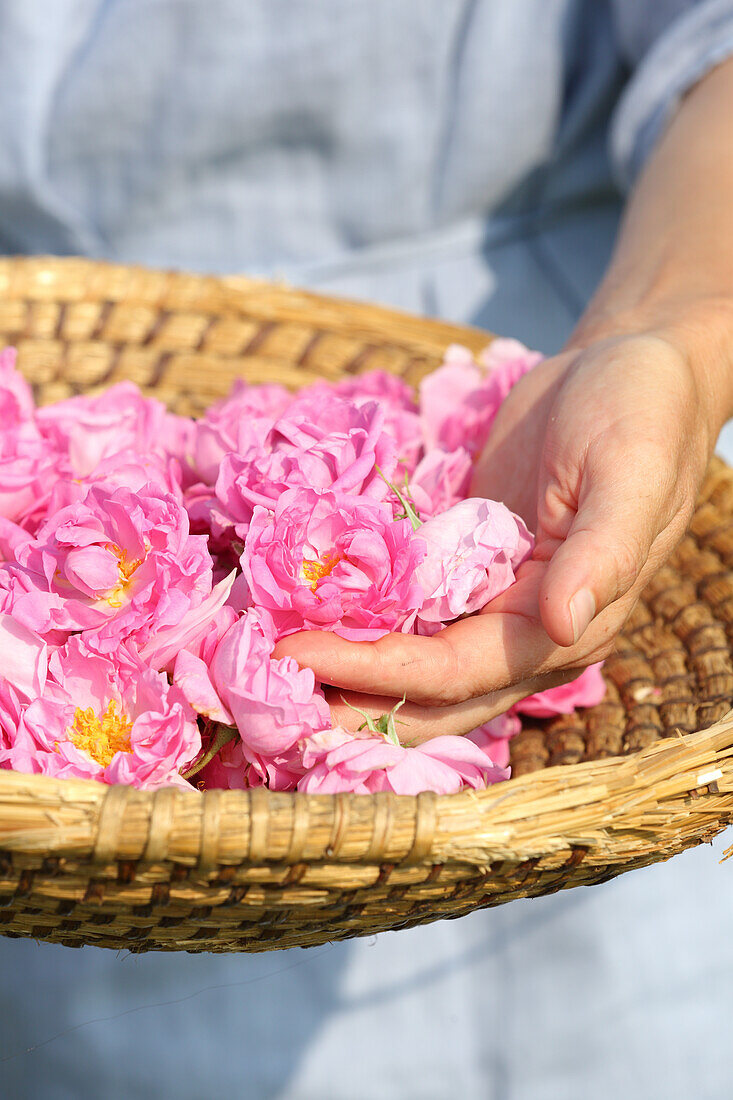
(601, 450)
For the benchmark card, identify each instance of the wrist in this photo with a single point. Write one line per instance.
(698, 328)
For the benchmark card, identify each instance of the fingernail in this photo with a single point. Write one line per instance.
(582, 612)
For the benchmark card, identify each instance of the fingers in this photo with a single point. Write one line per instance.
(599, 550)
(417, 724)
(471, 658)
(422, 669)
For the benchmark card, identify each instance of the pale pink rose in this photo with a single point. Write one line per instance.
(587, 690)
(88, 429)
(27, 469)
(459, 401)
(440, 480)
(177, 439)
(273, 703)
(366, 763)
(116, 563)
(323, 443)
(508, 360)
(237, 424)
(16, 396)
(327, 561)
(117, 721)
(494, 737)
(473, 552)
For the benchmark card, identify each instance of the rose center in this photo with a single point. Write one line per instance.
(125, 568)
(101, 737)
(318, 568)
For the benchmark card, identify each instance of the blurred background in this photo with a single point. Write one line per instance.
(466, 159)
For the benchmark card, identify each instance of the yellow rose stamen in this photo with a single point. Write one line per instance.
(101, 738)
(126, 569)
(315, 570)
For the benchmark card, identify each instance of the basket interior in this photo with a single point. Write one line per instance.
(80, 326)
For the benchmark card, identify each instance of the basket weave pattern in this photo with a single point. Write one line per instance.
(250, 871)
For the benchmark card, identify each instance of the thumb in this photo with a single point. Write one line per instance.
(606, 546)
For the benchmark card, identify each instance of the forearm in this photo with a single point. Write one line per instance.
(672, 269)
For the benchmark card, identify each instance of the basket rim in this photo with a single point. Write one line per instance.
(71, 279)
(687, 779)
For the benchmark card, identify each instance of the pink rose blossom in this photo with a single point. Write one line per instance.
(191, 631)
(320, 443)
(494, 737)
(16, 398)
(587, 690)
(122, 470)
(508, 360)
(88, 429)
(440, 480)
(128, 523)
(473, 552)
(327, 561)
(396, 400)
(24, 664)
(458, 401)
(236, 767)
(365, 763)
(27, 463)
(116, 563)
(236, 424)
(273, 703)
(117, 721)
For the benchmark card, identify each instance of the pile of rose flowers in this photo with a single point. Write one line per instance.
(149, 564)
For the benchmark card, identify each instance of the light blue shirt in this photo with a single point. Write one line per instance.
(455, 157)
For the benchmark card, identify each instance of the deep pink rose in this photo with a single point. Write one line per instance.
(236, 767)
(397, 402)
(117, 563)
(327, 561)
(236, 424)
(27, 463)
(473, 552)
(273, 703)
(114, 720)
(323, 443)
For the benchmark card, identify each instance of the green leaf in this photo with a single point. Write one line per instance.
(384, 726)
(409, 511)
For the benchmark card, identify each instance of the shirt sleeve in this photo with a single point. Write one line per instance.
(671, 59)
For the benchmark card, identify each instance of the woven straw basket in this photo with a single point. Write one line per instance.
(619, 786)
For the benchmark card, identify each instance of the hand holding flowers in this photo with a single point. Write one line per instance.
(155, 571)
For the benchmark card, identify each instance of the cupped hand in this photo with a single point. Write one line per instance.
(602, 451)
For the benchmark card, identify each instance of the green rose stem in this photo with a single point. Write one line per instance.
(221, 737)
(407, 505)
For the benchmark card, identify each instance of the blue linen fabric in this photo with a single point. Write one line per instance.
(449, 157)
